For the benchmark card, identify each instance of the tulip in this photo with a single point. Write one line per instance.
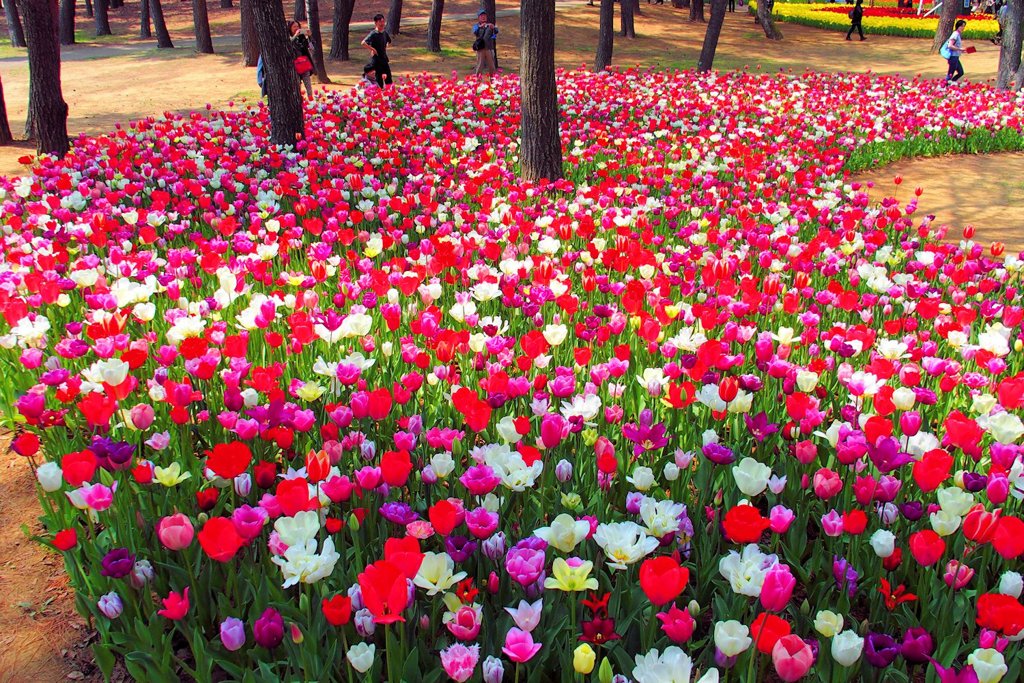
(583, 659)
(792, 658)
(110, 605)
(519, 646)
(361, 656)
(268, 629)
(493, 670)
(677, 624)
(232, 633)
(847, 647)
(175, 532)
(988, 664)
(459, 661)
(957, 575)
(917, 646)
(777, 588)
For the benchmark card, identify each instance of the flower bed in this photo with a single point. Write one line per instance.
(886, 21)
(376, 410)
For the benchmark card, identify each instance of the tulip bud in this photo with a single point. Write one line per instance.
(583, 658)
(424, 622)
(563, 471)
(243, 484)
(110, 605)
(693, 607)
(605, 672)
(493, 670)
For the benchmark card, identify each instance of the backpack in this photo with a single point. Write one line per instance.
(850, 14)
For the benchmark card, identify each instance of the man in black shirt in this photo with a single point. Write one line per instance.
(377, 42)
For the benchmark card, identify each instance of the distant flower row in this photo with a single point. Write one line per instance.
(886, 21)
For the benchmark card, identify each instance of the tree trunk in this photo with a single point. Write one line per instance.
(947, 17)
(47, 109)
(283, 96)
(711, 35)
(66, 28)
(340, 29)
(201, 24)
(156, 12)
(1018, 80)
(14, 26)
(395, 18)
(605, 36)
(540, 147)
(680, 4)
(88, 9)
(5, 125)
(1009, 52)
(764, 17)
(316, 41)
(434, 26)
(626, 18)
(490, 6)
(250, 41)
(226, 4)
(116, 4)
(697, 11)
(145, 25)
(102, 18)
(300, 10)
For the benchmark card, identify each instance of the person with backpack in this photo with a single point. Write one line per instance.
(303, 57)
(856, 17)
(485, 44)
(377, 42)
(951, 50)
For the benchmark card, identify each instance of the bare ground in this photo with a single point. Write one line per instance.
(118, 79)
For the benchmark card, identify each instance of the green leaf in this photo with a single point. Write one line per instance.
(411, 670)
(105, 659)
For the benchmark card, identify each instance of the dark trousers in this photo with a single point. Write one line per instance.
(956, 69)
(383, 70)
(732, 5)
(855, 26)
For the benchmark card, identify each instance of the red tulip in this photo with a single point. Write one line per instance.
(293, 497)
(932, 469)
(228, 460)
(766, 630)
(927, 547)
(744, 524)
(663, 579)
(1008, 537)
(379, 404)
(337, 610)
(26, 444)
(175, 605)
(219, 539)
(383, 586)
(980, 525)
(476, 411)
(443, 517)
(404, 553)
(395, 467)
(65, 540)
(78, 467)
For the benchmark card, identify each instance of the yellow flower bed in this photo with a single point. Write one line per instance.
(812, 15)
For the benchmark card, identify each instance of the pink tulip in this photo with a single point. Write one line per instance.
(519, 646)
(459, 661)
(677, 624)
(464, 624)
(780, 518)
(957, 575)
(175, 532)
(792, 658)
(777, 588)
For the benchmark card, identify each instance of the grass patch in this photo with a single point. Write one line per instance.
(877, 154)
(445, 53)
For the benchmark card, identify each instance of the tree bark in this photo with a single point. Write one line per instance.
(47, 108)
(626, 12)
(340, 29)
(605, 36)
(680, 4)
(947, 17)
(697, 11)
(1009, 51)
(1018, 80)
(14, 26)
(394, 26)
(540, 147)
(6, 136)
(283, 96)
(764, 17)
(226, 4)
(116, 4)
(102, 18)
(300, 11)
(145, 25)
(156, 12)
(66, 27)
(434, 26)
(250, 41)
(88, 9)
(712, 34)
(491, 7)
(316, 41)
(201, 24)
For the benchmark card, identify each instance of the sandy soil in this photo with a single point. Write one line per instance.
(116, 80)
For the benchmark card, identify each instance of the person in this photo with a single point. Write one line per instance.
(369, 75)
(261, 76)
(856, 17)
(484, 45)
(377, 42)
(732, 5)
(1001, 14)
(955, 47)
(300, 41)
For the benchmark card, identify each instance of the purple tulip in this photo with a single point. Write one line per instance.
(880, 650)
(269, 629)
(111, 605)
(917, 646)
(232, 633)
(117, 563)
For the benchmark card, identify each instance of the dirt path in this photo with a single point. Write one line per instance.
(984, 191)
(43, 639)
